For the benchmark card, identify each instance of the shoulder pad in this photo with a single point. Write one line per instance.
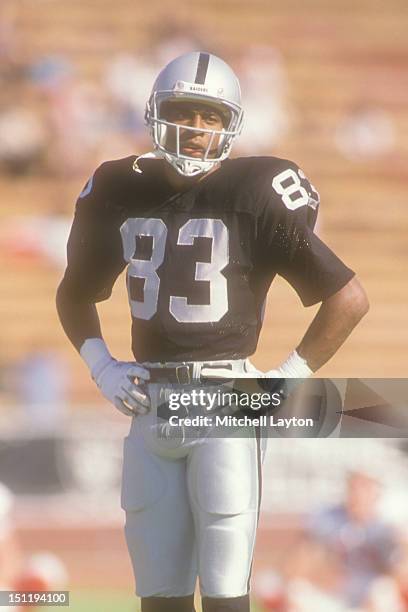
(108, 177)
(277, 179)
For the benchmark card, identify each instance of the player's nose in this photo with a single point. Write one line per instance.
(197, 121)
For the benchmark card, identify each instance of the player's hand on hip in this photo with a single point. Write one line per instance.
(122, 383)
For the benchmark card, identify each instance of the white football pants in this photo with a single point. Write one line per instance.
(191, 505)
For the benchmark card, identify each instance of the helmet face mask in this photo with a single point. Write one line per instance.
(216, 86)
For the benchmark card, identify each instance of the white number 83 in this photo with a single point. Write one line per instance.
(146, 269)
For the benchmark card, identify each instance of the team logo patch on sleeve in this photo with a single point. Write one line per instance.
(87, 189)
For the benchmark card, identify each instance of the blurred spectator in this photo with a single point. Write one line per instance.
(129, 80)
(41, 571)
(309, 582)
(390, 592)
(40, 386)
(36, 238)
(23, 140)
(270, 591)
(355, 531)
(366, 132)
(314, 575)
(68, 123)
(78, 117)
(129, 77)
(264, 90)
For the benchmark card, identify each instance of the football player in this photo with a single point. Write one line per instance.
(202, 237)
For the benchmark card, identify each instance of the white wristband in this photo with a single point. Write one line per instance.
(96, 355)
(295, 367)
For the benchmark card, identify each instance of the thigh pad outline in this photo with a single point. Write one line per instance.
(143, 483)
(226, 478)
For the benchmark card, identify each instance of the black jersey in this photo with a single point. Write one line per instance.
(199, 262)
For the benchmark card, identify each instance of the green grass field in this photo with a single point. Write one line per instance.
(104, 601)
(98, 601)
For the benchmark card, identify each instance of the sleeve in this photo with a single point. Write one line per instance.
(94, 249)
(287, 243)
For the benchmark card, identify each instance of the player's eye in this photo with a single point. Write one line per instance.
(175, 115)
(211, 118)
(183, 115)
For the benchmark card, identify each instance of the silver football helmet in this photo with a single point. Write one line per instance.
(199, 77)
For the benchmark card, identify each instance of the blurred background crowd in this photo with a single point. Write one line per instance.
(324, 84)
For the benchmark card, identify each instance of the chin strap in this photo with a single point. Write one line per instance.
(188, 168)
(184, 167)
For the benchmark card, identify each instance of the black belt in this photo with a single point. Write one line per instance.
(181, 374)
